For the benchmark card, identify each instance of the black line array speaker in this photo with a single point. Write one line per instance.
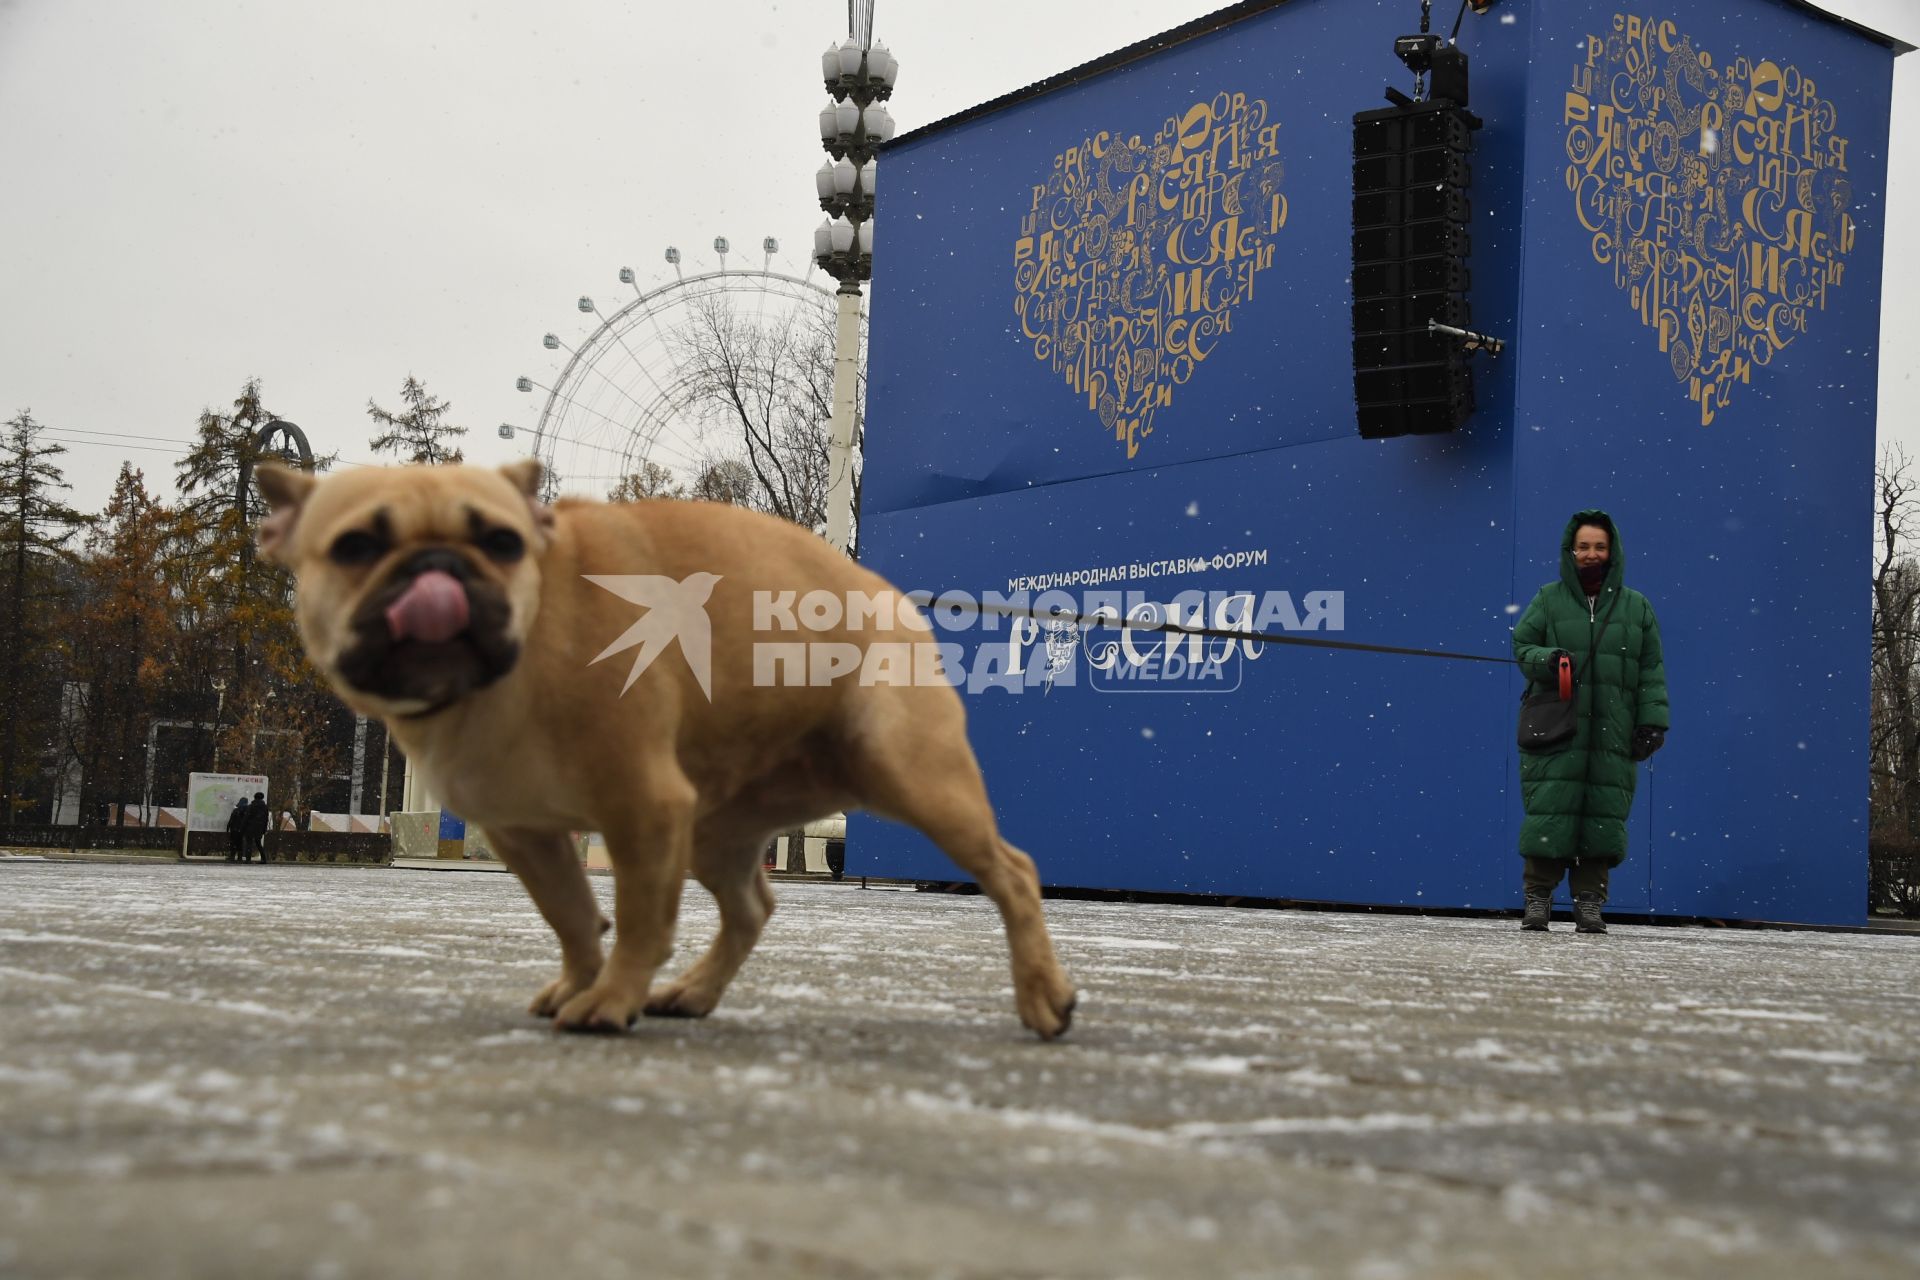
(1412, 168)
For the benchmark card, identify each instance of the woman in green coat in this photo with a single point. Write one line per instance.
(1577, 793)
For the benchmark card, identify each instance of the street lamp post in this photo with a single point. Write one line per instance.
(219, 707)
(860, 76)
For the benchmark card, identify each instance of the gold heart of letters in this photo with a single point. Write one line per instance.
(1134, 255)
(1717, 194)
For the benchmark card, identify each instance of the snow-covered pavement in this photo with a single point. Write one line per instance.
(280, 1071)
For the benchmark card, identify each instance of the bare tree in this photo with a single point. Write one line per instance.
(286, 738)
(767, 390)
(728, 479)
(651, 481)
(1894, 715)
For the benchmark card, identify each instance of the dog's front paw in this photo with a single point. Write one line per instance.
(1046, 1005)
(604, 1006)
(557, 993)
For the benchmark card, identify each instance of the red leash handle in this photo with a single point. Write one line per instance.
(1566, 678)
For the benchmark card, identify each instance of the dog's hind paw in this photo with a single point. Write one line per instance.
(555, 994)
(679, 1000)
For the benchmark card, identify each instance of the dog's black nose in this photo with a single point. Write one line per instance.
(444, 559)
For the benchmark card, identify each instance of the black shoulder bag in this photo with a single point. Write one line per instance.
(1548, 722)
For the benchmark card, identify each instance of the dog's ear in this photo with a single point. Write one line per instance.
(525, 475)
(286, 490)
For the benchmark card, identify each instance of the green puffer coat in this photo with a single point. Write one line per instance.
(1577, 796)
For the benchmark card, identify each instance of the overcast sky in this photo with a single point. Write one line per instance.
(332, 196)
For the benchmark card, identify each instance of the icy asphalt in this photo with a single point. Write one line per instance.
(214, 1071)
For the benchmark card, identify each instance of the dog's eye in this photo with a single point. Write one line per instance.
(503, 545)
(356, 548)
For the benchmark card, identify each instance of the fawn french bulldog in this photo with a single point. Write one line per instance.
(499, 640)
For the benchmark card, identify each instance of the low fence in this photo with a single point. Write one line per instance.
(44, 836)
(338, 847)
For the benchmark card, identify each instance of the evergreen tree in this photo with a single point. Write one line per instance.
(421, 433)
(34, 529)
(230, 596)
(239, 642)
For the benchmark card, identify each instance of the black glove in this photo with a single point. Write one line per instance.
(1646, 741)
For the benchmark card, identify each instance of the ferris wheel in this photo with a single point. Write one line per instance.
(630, 387)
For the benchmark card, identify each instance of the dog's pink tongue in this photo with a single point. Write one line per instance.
(433, 609)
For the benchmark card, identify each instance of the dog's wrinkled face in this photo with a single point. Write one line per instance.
(417, 585)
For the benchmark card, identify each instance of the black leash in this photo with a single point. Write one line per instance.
(1213, 633)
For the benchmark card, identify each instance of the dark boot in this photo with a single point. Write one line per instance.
(1586, 914)
(1539, 910)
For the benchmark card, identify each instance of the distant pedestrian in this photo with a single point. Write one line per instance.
(237, 830)
(256, 828)
(1578, 790)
